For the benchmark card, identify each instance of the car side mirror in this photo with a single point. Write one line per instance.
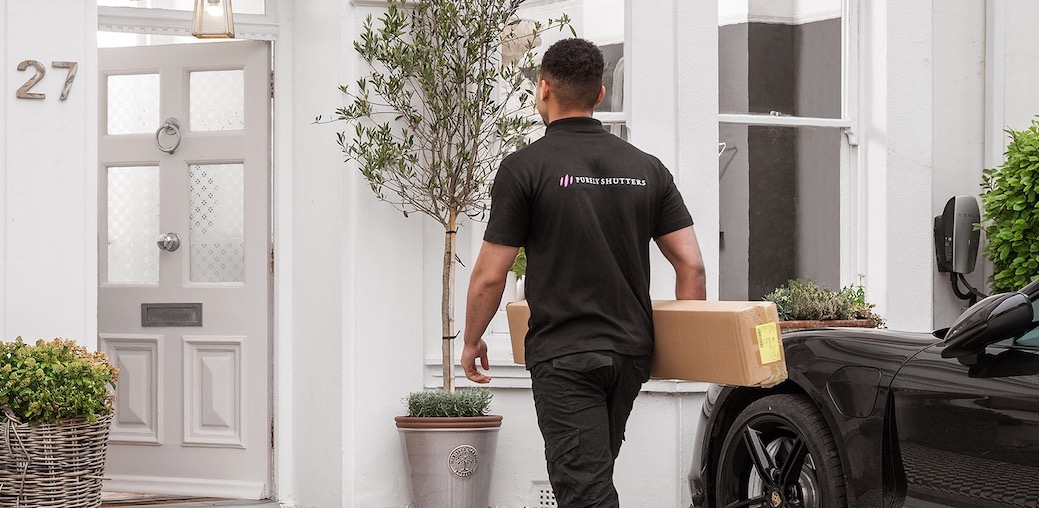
(991, 320)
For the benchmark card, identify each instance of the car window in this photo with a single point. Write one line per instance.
(1029, 339)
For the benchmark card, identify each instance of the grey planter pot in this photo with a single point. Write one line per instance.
(449, 460)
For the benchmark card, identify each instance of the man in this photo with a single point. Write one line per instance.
(585, 205)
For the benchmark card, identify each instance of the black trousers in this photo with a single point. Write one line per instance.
(583, 401)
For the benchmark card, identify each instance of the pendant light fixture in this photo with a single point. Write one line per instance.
(213, 20)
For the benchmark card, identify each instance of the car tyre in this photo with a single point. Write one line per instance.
(779, 452)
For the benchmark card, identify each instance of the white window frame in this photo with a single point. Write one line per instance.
(142, 20)
(852, 181)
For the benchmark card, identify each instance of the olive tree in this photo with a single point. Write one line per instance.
(445, 99)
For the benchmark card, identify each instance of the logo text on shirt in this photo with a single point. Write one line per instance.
(568, 180)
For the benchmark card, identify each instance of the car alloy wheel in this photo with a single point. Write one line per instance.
(779, 453)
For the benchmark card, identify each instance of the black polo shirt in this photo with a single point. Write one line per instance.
(585, 205)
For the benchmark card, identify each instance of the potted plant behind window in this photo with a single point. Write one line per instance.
(1008, 199)
(802, 303)
(438, 111)
(519, 271)
(55, 411)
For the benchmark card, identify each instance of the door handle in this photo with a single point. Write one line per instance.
(169, 242)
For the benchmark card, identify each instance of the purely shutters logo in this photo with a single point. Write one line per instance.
(567, 180)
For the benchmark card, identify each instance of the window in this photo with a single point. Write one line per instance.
(240, 6)
(785, 152)
(1029, 339)
(125, 23)
(599, 21)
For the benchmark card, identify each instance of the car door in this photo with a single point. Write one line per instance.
(968, 435)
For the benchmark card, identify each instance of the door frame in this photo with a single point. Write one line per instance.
(267, 28)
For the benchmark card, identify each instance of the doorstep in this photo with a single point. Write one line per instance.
(201, 504)
(116, 500)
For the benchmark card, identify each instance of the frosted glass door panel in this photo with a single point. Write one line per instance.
(133, 224)
(217, 100)
(217, 223)
(133, 104)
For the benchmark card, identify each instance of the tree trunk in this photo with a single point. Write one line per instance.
(447, 303)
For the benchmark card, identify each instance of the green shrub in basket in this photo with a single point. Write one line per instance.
(54, 380)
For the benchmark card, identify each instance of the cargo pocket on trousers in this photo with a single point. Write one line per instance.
(558, 452)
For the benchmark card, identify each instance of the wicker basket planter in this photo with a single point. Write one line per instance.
(52, 465)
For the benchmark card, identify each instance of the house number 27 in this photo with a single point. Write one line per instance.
(23, 91)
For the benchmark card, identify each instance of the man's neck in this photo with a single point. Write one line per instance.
(569, 114)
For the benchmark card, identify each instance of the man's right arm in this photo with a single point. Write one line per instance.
(683, 252)
(486, 284)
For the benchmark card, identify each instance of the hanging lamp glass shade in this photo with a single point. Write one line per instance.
(213, 20)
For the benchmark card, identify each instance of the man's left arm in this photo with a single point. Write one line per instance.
(486, 285)
(683, 251)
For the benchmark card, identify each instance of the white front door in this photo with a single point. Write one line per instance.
(187, 325)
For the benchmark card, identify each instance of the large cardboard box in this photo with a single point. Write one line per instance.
(736, 343)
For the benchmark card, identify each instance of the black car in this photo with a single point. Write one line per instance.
(881, 418)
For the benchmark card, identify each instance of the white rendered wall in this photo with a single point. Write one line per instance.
(1021, 103)
(48, 173)
(384, 304)
(311, 276)
(959, 128)
(897, 122)
(356, 335)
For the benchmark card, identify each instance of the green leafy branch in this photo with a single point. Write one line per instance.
(1011, 210)
(440, 107)
(54, 380)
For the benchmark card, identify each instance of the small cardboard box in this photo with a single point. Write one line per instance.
(736, 343)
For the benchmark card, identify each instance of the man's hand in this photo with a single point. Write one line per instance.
(469, 355)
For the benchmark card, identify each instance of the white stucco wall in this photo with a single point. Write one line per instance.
(355, 340)
(897, 160)
(1021, 103)
(48, 173)
(355, 337)
(307, 193)
(959, 131)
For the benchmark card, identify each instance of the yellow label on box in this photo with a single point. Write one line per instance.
(768, 343)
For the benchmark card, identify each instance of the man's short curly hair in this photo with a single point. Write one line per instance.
(574, 67)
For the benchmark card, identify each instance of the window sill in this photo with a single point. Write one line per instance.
(509, 375)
